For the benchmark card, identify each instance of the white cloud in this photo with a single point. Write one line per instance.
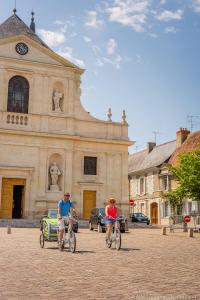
(87, 39)
(67, 52)
(170, 29)
(58, 37)
(73, 34)
(138, 58)
(162, 2)
(196, 5)
(131, 13)
(58, 22)
(96, 49)
(67, 23)
(52, 38)
(153, 35)
(111, 46)
(168, 15)
(115, 61)
(100, 62)
(92, 20)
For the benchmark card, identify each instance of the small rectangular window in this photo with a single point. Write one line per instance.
(90, 165)
(141, 186)
(164, 183)
(146, 185)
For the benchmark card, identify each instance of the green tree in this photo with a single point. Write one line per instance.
(187, 174)
(175, 198)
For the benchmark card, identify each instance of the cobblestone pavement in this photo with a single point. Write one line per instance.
(149, 266)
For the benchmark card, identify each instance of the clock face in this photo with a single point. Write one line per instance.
(21, 48)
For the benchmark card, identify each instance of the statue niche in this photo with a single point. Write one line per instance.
(57, 99)
(54, 175)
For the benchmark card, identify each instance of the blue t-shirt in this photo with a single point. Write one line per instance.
(64, 207)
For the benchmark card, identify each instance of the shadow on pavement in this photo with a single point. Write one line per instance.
(84, 251)
(67, 250)
(129, 249)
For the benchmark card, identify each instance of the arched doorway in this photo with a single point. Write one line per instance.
(154, 213)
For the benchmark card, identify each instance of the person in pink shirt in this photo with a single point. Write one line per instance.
(111, 216)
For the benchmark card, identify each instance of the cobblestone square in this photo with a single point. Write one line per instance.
(149, 266)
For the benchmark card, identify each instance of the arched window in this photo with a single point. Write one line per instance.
(18, 95)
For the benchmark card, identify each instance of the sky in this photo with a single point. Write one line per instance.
(141, 56)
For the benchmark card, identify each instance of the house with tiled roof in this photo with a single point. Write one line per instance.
(149, 176)
(191, 143)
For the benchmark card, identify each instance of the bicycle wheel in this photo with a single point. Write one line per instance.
(42, 240)
(72, 241)
(117, 239)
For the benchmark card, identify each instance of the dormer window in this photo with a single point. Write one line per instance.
(18, 95)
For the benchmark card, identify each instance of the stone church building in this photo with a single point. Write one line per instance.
(48, 143)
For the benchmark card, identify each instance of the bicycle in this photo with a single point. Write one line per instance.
(68, 236)
(115, 237)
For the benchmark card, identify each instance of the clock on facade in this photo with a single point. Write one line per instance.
(21, 48)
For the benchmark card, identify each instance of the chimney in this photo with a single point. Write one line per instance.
(32, 26)
(181, 136)
(150, 146)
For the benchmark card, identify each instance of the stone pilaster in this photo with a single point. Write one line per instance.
(69, 156)
(43, 172)
(70, 102)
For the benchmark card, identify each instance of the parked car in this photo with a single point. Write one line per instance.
(140, 217)
(97, 221)
(52, 217)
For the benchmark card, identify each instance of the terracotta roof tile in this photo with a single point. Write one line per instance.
(191, 143)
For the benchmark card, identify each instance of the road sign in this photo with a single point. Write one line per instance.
(131, 202)
(186, 219)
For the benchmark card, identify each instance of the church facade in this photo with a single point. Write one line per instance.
(49, 144)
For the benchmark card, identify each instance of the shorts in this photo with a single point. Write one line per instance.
(61, 223)
(109, 222)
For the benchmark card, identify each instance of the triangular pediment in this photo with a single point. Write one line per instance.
(36, 53)
(14, 31)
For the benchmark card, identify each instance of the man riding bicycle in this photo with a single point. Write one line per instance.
(111, 216)
(65, 208)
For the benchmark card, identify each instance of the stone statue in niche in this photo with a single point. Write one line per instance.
(54, 173)
(57, 96)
